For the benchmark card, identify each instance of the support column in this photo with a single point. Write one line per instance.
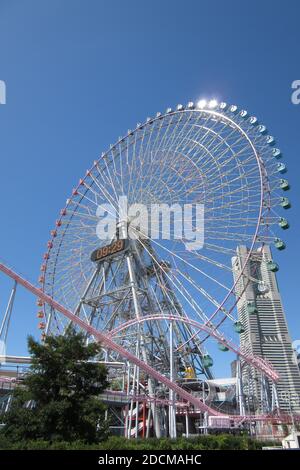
(239, 388)
(187, 428)
(7, 316)
(172, 396)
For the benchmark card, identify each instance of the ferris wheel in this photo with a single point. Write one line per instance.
(211, 156)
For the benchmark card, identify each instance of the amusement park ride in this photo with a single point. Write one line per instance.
(154, 305)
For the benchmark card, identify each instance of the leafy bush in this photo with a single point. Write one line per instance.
(204, 442)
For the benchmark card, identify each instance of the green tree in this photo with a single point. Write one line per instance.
(59, 397)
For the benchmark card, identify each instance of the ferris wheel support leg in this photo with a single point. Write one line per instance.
(80, 303)
(131, 411)
(172, 409)
(239, 388)
(143, 351)
(137, 386)
(7, 316)
(127, 407)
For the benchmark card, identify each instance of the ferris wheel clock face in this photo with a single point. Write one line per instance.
(213, 154)
(107, 251)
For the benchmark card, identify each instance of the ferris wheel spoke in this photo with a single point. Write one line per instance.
(179, 288)
(201, 290)
(105, 186)
(103, 191)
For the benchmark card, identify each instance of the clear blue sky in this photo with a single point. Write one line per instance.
(80, 73)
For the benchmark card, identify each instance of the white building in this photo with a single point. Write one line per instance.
(266, 333)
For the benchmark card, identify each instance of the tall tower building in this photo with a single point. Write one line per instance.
(266, 333)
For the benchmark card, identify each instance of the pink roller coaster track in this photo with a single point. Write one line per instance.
(257, 362)
(109, 343)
